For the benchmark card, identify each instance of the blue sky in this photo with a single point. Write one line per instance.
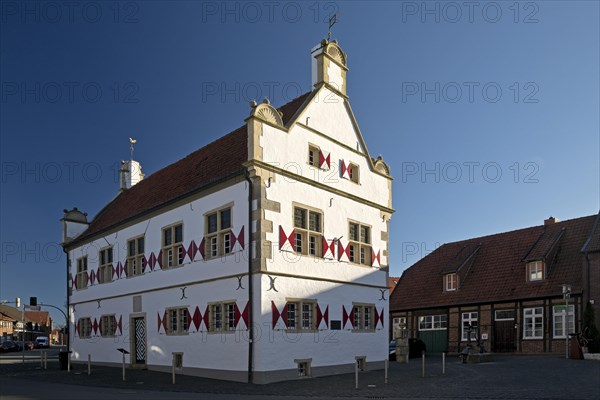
(487, 114)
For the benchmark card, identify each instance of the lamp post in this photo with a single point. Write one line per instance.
(566, 290)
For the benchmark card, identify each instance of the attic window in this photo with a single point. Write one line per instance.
(535, 271)
(353, 173)
(451, 282)
(313, 156)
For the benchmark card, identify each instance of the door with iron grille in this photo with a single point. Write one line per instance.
(139, 340)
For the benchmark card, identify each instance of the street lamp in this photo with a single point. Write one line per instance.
(566, 291)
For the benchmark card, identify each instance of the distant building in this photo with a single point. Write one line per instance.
(508, 287)
(13, 321)
(280, 225)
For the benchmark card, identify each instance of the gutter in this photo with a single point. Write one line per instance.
(250, 287)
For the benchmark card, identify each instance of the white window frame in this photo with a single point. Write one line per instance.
(135, 256)
(218, 241)
(364, 317)
(533, 316)
(535, 271)
(558, 319)
(105, 259)
(315, 155)
(438, 322)
(451, 281)
(501, 318)
(354, 173)
(172, 249)
(469, 317)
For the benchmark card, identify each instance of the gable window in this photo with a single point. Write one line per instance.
(81, 279)
(135, 254)
(308, 226)
(301, 315)
(451, 282)
(313, 156)
(218, 233)
(433, 322)
(535, 271)
(172, 245)
(363, 317)
(469, 324)
(563, 324)
(533, 320)
(108, 325)
(222, 317)
(85, 327)
(178, 323)
(106, 267)
(353, 173)
(360, 243)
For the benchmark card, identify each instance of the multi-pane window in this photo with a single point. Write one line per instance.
(172, 245)
(363, 317)
(301, 315)
(559, 317)
(106, 265)
(81, 279)
(135, 254)
(218, 233)
(533, 323)
(535, 271)
(360, 243)
(313, 156)
(303, 368)
(451, 282)
(108, 325)
(433, 322)
(85, 327)
(222, 317)
(178, 322)
(470, 324)
(308, 226)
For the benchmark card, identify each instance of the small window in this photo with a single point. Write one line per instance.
(353, 173)
(361, 363)
(360, 243)
(178, 360)
(135, 255)
(451, 282)
(301, 315)
(172, 245)
(433, 322)
(222, 317)
(106, 265)
(218, 230)
(178, 323)
(81, 279)
(85, 328)
(363, 317)
(108, 325)
(535, 271)
(303, 368)
(313, 156)
(308, 226)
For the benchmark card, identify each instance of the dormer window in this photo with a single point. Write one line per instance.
(535, 271)
(451, 282)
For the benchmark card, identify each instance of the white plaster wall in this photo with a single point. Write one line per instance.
(201, 349)
(192, 216)
(277, 349)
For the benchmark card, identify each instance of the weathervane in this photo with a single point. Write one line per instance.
(131, 143)
(332, 21)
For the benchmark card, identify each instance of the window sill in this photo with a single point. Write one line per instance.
(108, 336)
(221, 332)
(534, 338)
(312, 330)
(363, 330)
(177, 334)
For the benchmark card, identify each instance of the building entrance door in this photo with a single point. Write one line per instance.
(139, 340)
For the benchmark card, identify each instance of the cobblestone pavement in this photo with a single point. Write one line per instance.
(507, 377)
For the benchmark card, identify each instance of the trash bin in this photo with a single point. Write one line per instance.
(63, 360)
(575, 352)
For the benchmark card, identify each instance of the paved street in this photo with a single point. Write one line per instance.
(508, 377)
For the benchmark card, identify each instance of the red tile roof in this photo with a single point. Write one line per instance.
(218, 160)
(497, 272)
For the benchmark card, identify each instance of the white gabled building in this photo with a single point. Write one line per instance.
(281, 225)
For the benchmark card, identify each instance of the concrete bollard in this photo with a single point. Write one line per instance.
(123, 367)
(45, 360)
(69, 362)
(387, 362)
(355, 374)
(443, 363)
(89, 364)
(423, 364)
(173, 369)
(42, 359)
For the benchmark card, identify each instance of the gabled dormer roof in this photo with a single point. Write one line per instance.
(497, 271)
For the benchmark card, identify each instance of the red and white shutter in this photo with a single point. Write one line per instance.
(375, 256)
(345, 169)
(237, 242)
(328, 248)
(286, 239)
(343, 251)
(324, 160)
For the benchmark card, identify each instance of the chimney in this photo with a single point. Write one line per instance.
(74, 223)
(130, 174)
(329, 66)
(551, 221)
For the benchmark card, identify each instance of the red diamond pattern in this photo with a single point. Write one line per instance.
(275, 313)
